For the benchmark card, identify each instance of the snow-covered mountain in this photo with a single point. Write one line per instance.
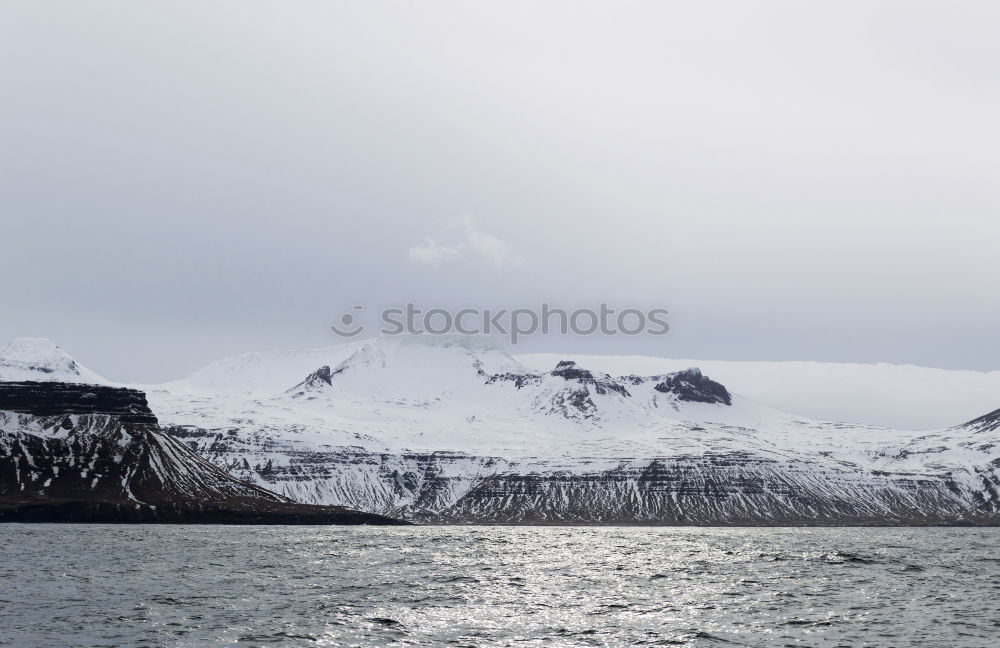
(454, 429)
(38, 359)
(75, 449)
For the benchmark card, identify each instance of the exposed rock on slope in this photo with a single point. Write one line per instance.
(74, 453)
(987, 423)
(691, 386)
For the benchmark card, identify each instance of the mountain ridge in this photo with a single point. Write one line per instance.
(458, 431)
(392, 426)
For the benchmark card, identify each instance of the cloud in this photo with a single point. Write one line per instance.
(472, 245)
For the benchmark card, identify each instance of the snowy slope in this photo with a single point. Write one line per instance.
(454, 429)
(897, 396)
(40, 360)
(902, 396)
(264, 373)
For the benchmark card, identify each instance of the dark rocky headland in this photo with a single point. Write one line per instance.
(91, 453)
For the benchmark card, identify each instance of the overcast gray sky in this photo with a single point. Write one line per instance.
(181, 181)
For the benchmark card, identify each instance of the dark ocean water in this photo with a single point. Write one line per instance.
(96, 585)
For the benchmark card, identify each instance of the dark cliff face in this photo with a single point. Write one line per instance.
(693, 386)
(76, 453)
(53, 399)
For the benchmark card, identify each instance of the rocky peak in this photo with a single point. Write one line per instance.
(692, 386)
(319, 379)
(569, 370)
(602, 383)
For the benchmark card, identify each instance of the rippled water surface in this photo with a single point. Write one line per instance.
(95, 585)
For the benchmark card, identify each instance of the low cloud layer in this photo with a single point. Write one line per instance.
(463, 242)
